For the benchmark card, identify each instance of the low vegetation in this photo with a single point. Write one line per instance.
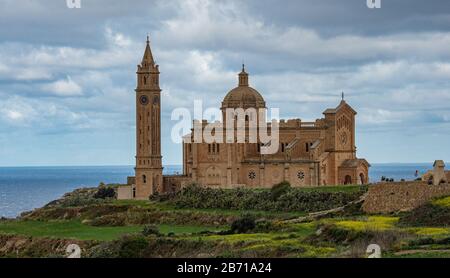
(434, 214)
(199, 222)
(281, 198)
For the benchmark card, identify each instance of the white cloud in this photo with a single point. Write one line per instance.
(64, 88)
(389, 79)
(383, 116)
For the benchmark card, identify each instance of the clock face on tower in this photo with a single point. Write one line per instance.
(143, 100)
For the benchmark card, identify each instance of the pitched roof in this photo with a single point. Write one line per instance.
(341, 105)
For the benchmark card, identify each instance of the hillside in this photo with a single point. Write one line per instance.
(225, 223)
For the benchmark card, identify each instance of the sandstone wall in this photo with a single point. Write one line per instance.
(175, 183)
(125, 192)
(403, 196)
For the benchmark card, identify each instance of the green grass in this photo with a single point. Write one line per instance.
(334, 189)
(368, 223)
(442, 202)
(136, 203)
(229, 212)
(431, 231)
(76, 230)
(422, 255)
(187, 229)
(165, 206)
(65, 229)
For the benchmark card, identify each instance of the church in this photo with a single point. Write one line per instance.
(319, 153)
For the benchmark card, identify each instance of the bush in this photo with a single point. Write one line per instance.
(104, 250)
(243, 224)
(132, 246)
(280, 189)
(428, 215)
(264, 226)
(150, 230)
(105, 192)
(293, 199)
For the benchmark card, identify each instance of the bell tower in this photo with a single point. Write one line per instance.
(148, 169)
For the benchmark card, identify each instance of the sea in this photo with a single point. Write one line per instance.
(26, 188)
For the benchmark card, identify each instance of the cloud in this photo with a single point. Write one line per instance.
(74, 71)
(64, 88)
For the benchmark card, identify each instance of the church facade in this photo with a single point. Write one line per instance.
(319, 153)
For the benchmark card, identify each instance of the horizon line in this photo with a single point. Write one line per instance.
(164, 165)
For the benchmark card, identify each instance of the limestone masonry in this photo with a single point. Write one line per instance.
(316, 153)
(402, 196)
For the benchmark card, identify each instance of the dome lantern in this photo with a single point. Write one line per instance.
(243, 96)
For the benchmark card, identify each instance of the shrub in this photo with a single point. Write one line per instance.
(428, 215)
(263, 226)
(293, 199)
(280, 189)
(104, 250)
(105, 192)
(132, 246)
(243, 225)
(150, 230)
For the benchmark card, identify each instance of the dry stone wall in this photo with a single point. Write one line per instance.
(402, 196)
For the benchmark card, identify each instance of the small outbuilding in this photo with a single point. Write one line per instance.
(439, 174)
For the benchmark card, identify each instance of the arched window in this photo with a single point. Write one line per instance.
(144, 178)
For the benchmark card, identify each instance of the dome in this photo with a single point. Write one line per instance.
(243, 96)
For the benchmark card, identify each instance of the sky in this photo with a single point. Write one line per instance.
(67, 76)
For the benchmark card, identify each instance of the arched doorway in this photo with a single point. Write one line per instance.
(362, 178)
(348, 179)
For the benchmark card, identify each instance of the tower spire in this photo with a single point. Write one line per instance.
(148, 56)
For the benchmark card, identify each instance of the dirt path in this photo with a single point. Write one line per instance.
(315, 215)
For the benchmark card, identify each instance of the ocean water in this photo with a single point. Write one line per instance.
(25, 188)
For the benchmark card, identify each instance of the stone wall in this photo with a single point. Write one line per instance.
(125, 192)
(403, 196)
(175, 183)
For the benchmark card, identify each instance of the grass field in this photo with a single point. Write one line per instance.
(76, 230)
(164, 206)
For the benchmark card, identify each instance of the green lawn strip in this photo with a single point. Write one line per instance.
(65, 229)
(136, 203)
(187, 229)
(76, 230)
